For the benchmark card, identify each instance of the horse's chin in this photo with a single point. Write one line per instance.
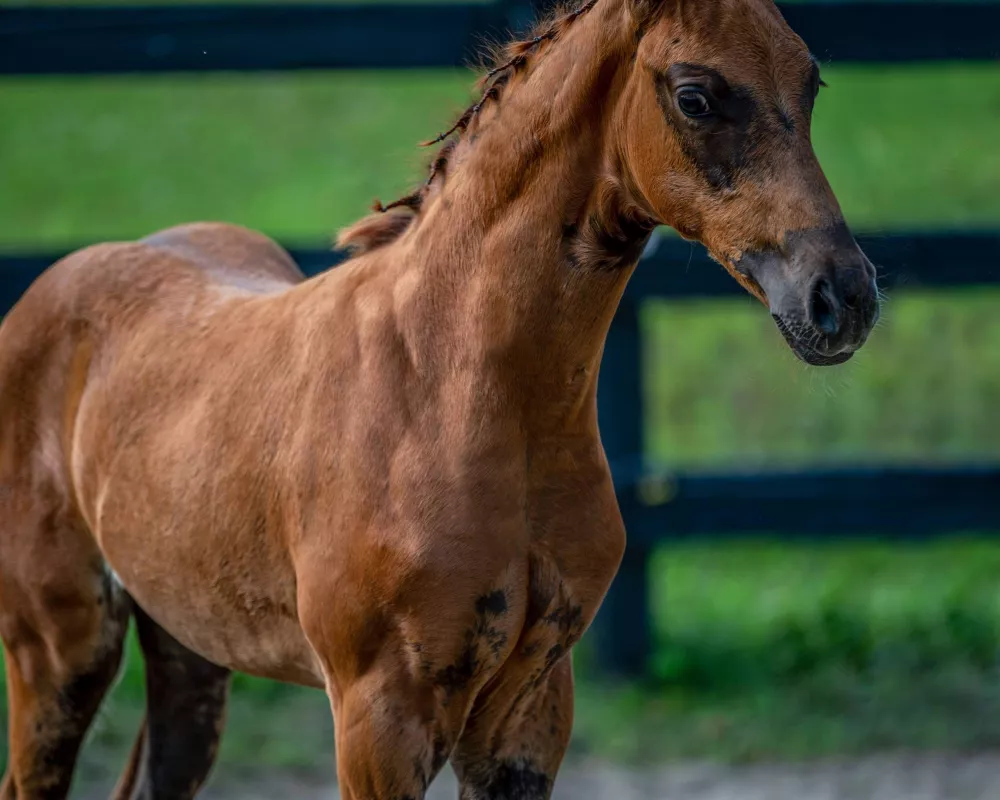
(807, 351)
(814, 359)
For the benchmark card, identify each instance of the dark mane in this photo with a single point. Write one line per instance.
(502, 61)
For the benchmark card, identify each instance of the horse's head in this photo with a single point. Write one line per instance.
(715, 139)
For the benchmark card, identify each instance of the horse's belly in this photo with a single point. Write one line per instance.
(222, 596)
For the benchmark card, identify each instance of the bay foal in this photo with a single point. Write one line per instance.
(387, 481)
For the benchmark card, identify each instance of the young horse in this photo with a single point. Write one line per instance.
(387, 481)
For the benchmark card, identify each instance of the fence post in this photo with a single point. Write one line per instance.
(621, 630)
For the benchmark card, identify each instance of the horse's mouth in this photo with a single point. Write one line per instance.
(810, 349)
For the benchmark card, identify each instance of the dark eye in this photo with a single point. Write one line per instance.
(693, 103)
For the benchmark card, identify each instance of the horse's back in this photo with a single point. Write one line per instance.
(95, 300)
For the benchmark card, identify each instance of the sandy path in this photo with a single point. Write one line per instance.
(882, 778)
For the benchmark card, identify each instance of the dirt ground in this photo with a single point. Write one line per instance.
(883, 778)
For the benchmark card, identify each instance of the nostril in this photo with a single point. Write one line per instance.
(823, 308)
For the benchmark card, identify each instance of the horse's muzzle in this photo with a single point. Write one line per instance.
(821, 291)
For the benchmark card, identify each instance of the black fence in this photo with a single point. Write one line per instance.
(51, 40)
(657, 505)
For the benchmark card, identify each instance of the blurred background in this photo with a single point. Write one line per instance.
(856, 613)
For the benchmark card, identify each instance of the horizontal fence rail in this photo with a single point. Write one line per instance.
(891, 502)
(73, 39)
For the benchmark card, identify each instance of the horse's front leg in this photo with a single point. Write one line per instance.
(391, 739)
(516, 738)
(519, 728)
(402, 677)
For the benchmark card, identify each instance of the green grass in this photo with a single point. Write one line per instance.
(767, 613)
(298, 155)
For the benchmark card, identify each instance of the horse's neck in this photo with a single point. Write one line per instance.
(517, 238)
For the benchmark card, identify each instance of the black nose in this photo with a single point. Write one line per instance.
(842, 307)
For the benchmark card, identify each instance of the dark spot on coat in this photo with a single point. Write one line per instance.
(484, 639)
(555, 652)
(531, 648)
(493, 603)
(508, 780)
(455, 677)
(568, 618)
